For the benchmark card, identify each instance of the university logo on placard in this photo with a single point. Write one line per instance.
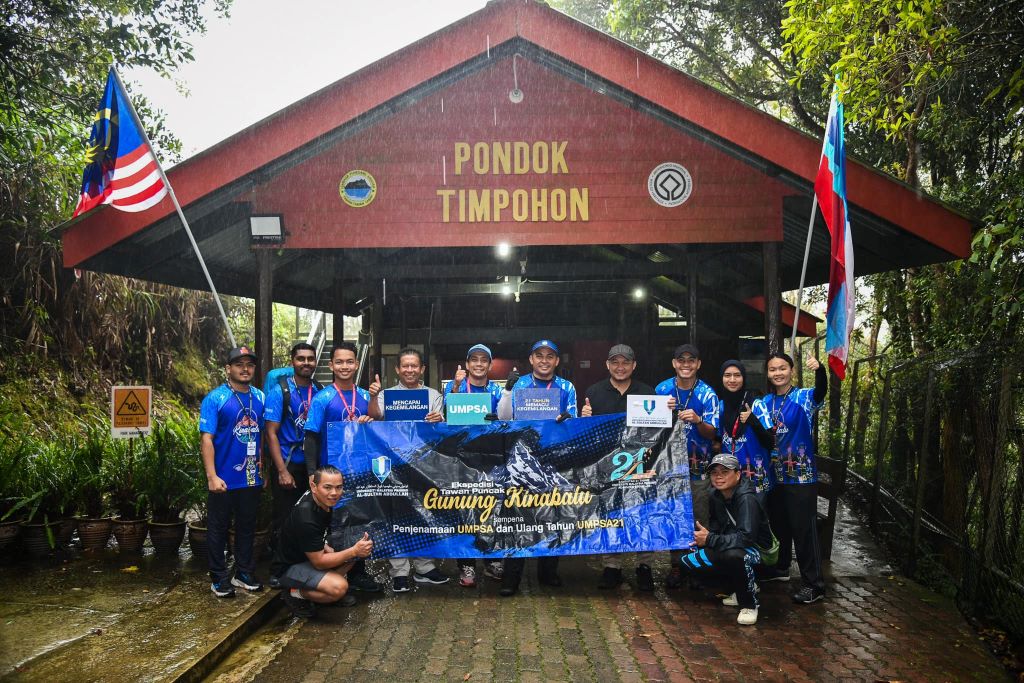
(669, 184)
(381, 466)
(357, 188)
(649, 406)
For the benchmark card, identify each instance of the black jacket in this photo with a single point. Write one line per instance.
(751, 527)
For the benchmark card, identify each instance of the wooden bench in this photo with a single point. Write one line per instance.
(831, 480)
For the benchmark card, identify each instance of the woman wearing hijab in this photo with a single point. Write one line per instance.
(744, 429)
(793, 503)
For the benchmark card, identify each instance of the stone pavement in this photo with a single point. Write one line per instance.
(871, 628)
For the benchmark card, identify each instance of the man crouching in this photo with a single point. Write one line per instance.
(310, 571)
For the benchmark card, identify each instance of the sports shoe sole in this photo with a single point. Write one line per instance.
(813, 600)
(222, 594)
(467, 584)
(242, 584)
(420, 578)
(404, 589)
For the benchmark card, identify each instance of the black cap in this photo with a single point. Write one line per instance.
(241, 352)
(623, 350)
(686, 348)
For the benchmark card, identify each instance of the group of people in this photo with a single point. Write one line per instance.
(751, 461)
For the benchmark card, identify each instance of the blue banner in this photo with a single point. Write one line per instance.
(510, 489)
(406, 404)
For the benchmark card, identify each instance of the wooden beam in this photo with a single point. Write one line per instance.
(264, 313)
(772, 296)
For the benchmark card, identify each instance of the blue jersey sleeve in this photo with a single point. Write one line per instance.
(760, 412)
(805, 399)
(208, 413)
(315, 418)
(275, 405)
(711, 407)
(262, 411)
(570, 397)
(665, 388)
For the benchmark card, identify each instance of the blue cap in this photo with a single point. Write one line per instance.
(479, 347)
(545, 343)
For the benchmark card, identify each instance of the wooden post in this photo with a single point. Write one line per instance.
(376, 341)
(338, 324)
(691, 294)
(772, 296)
(264, 314)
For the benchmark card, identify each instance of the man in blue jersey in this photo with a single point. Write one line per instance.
(697, 415)
(288, 401)
(230, 422)
(475, 380)
(544, 361)
(339, 401)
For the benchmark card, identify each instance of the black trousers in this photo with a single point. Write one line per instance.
(546, 566)
(285, 499)
(793, 511)
(735, 567)
(241, 504)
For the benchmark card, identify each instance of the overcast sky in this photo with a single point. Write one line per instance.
(269, 54)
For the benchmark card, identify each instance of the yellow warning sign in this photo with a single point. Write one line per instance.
(130, 411)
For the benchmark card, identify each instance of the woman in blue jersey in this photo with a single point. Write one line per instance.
(744, 429)
(793, 502)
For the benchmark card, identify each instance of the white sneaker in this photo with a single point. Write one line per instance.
(467, 577)
(731, 601)
(747, 617)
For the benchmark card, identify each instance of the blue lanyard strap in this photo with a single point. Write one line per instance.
(248, 434)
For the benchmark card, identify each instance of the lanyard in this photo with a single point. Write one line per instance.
(535, 382)
(309, 399)
(686, 404)
(469, 389)
(351, 410)
(777, 412)
(248, 433)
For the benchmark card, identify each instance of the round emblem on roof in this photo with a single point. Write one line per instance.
(669, 184)
(357, 188)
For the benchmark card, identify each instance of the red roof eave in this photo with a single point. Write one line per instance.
(808, 325)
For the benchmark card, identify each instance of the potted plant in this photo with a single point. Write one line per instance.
(89, 453)
(166, 479)
(47, 494)
(131, 525)
(13, 459)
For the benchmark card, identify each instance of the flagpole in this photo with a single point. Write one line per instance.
(177, 207)
(803, 274)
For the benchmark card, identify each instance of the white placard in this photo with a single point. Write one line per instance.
(648, 411)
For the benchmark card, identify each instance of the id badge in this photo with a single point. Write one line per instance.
(250, 448)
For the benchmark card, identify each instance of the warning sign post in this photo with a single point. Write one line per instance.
(131, 410)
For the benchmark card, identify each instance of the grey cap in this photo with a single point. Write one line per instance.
(725, 460)
(623, 350)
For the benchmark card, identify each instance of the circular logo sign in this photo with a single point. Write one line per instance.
(669, 184)
(357, 188)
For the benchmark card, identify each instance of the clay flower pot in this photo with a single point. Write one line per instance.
(166, 537)
(130, 534)
(94, 533)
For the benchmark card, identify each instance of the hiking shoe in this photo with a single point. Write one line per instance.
(494, 570)
(434, 576)
(298, 606)
(644, 578)
(674, 579)
(467, 577)
(611, 578)
(364, 582)
(747, 616)
(806, 595)
(731, 601)
(400, 584)
(222, 589)
(772, 574)
(274, 582)
(247, 581)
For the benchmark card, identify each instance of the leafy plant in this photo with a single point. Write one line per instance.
(165, 469)
(13, 459)
(88, 455)
(48, 485)
(121, 475)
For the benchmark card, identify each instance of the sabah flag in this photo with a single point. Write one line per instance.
(122, 169)
(830, 188)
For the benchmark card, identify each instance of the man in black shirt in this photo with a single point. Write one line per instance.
(309, 570)
(606, 398)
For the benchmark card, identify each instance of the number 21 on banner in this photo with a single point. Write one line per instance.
(628, 465)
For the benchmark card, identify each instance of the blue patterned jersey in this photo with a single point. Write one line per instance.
(567, 392)
(235, 420)
(331, 406)
(292, 430)
(792, 416)
(493, 389)
(740, 440)
(703, 400)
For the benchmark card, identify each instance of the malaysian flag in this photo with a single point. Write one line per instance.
(122, 169)
(830, 189)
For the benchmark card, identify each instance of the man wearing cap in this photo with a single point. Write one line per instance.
(230, 422)
(697, 408)
(608, 397)
(730, 546)
(474, 380)
(543, 362)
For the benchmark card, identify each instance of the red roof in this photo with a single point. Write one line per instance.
(501, 21)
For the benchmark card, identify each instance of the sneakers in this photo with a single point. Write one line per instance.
(434, 576)
(348, 600)
(806, 595)
(731, 601)
(274, 582)
(644, 578)
(674, 579)
(222, 589)
(773, 574)
(298, 606)
(400, 584)
(247, 581)
(611, 578)
(363, 582)
(494, 570)
(747, 616)
(467, 577)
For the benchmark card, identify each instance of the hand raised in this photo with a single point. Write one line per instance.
(375, 386)
(460, 375)
(587, 410)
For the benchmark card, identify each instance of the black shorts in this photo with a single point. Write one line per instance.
(302, 575)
